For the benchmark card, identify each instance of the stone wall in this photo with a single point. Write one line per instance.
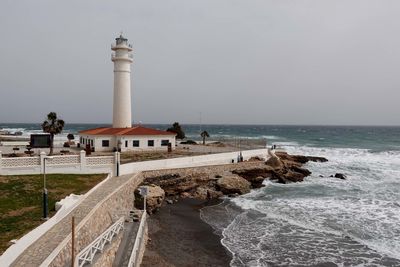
(104, 214)
(206, 170)
(107, 257)
(190, 162)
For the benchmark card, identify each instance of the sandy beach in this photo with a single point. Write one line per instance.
(178, 237)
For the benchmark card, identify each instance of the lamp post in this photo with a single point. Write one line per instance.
(45, 194)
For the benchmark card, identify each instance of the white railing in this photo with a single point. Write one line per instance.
(103, 160)
(87, 254)
(57, 164)
(139, 242)
(63, 160)
(20, 162)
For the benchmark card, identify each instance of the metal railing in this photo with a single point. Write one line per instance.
(87, 254)
(139, 242)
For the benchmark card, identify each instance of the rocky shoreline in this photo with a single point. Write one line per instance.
(177, 234)
(214, 182)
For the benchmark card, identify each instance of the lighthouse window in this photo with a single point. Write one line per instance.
(105, 143)
(135, 143)
(164, 142)
(150, 142)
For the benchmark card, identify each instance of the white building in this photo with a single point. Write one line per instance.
(122, 135)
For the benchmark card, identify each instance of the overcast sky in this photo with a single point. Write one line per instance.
(242, 62)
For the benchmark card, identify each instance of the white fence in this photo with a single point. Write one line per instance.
(87, 255)
(138, 247)
(57, 164)
(188, 162)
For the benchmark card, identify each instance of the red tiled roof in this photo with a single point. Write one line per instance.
(138, 130)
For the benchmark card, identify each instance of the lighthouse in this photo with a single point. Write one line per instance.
(122, 58)
(123, 136)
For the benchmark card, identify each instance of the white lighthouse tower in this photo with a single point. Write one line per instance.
(123, 136)
(122, 58)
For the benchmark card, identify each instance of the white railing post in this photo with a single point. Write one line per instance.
(42, 156)
(83, 160)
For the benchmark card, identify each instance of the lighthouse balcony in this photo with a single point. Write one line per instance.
(115, 47)
(127, 57)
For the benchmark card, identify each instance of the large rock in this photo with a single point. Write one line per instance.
(255, 176)
(273, 160)
(233, 184)
(154, 199)
(206, 193)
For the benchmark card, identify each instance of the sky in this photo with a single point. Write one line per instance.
(331, 62)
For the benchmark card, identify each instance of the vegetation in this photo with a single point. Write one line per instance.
(176, 128)
(203, 135)
(189, 142)
(53, 126)
(70, 137)
(21, 200)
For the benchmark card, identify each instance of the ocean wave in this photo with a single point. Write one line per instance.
(351, 222)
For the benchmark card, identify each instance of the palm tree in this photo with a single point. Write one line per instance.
(204, 134)
(52, 126)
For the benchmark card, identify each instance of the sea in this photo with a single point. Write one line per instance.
(322, 221)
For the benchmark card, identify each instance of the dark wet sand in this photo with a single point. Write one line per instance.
(180, 238)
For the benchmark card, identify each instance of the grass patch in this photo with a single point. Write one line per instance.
(21, 200)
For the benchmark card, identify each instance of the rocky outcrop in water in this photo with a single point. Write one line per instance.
(235, 179)
(339, 176)
(233, 184)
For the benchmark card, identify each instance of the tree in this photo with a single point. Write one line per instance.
(53, 126)
(176, 128)
(204, 134)
(70, 137)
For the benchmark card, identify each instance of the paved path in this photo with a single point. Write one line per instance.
(125, 248)
(35, 254)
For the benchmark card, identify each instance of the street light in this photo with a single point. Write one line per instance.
(45, 195)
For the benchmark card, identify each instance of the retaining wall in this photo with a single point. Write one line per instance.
(96, 222)
(189, 162)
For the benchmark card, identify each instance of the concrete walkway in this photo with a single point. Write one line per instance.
(35, 254)
(125, 248)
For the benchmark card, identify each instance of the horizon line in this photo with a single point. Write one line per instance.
(228, 124)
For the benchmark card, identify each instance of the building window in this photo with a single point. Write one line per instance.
(126, 143)
(105, 143)
(150, 142)
(91, 143)
(135, 143)
(164, 142)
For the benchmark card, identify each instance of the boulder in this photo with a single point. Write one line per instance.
(233, 184)
(203, 192)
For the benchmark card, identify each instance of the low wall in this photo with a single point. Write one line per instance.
(188, 162)
(57, 164)
(96, 222)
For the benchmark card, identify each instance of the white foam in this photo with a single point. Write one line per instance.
(359, 216)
